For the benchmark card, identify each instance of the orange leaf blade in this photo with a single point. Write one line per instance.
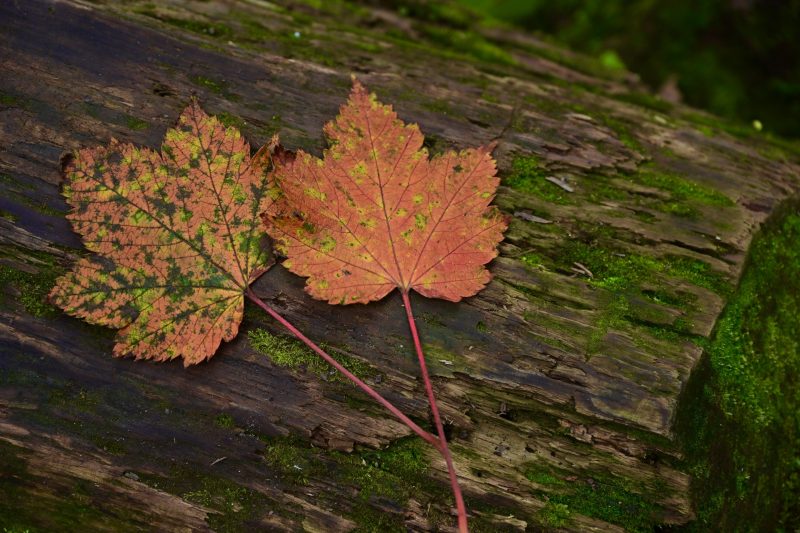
(376, 213)
(176, 238)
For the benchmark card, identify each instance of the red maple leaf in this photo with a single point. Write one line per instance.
(376, 213)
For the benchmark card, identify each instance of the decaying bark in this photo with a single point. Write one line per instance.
(553, 370)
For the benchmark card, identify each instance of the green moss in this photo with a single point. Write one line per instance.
(489, 97)
(579, 62)
(396, 474)
(213, 29)
(31, 288)
(435, 144)
(225, 421)
(768, 144)
(531, 259)
(622, 129)
(295, 41)
(528, 176)
(405, 460)
(612, 317)
(441, 107)
(20, 101)
(11, 100)
(599, 190)
(230, 120)
(679, 187)
(616, 270)
(467, 43)
(216, 86)
(624, 276)
(613, 501)
(136, 124)
(41, 206)
(293, 458)
(26, 194)
(291, 353)
(110, 445)
(697, 272)
(234, 506)
(554, 514)
(678, 299)
(442, 361)
(645, 100)
(683, 197)
(543, 476)
(443, 14)
(431, 319)
(597, 495)
(738, 417)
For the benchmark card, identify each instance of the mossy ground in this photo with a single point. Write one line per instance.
(738, 418)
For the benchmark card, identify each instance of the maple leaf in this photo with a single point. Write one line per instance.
(377, 213)
(176, 238)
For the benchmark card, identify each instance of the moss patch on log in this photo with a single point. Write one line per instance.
(291, 353)
(597, 495)
(379, 478)
(26, 287)
(234, 507)
(529, 176)
(738, 419)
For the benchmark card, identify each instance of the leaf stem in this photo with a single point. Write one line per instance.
(431, 439)
(462, 509)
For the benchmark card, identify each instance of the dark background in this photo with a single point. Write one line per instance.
(739, 59)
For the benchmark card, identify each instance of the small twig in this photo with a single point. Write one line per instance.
(218, 461)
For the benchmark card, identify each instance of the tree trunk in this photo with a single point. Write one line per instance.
(630, 219)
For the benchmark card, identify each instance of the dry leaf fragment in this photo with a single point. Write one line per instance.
(176, 238)
(560, 182)
(376, 213)
(580, 268)
(524, 215)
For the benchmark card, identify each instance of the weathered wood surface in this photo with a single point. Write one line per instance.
(547, 370)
